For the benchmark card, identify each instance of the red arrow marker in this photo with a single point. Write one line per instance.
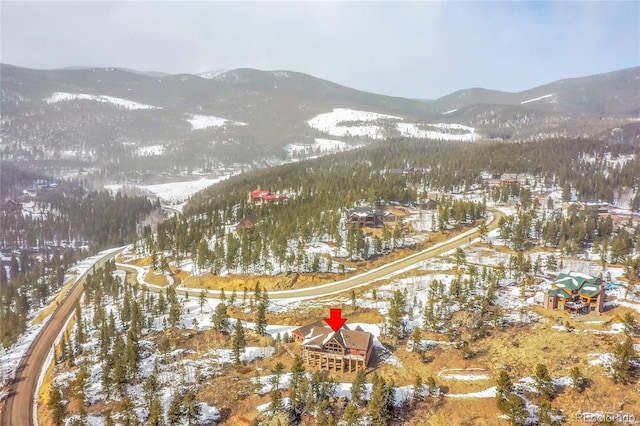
(335, 319)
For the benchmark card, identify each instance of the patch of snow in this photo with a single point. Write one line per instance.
(536, 99)
(439, 131)
(174, 192)
(461, 374)
(349, 122)
(199, 122)
(605, 359)
(487, 393)
(144, 151)
(319, 146)
(450, 111)
(124, 103)
(211, 75)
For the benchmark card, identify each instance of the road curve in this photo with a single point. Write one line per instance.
(375, 274)
(18, 407)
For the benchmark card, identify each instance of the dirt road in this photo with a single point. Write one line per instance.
(18, 408)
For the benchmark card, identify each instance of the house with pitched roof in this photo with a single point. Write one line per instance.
(261, 196)
(342, 350)
(577, 293)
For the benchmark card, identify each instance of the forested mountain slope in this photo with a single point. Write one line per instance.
(119, 121)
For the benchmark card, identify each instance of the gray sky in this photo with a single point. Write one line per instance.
(412, 49)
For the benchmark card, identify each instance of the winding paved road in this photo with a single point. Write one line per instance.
(18, 408)
(368, 277)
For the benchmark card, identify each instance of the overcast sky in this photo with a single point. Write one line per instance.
(414, 49)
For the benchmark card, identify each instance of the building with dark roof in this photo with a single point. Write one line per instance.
(342, 350)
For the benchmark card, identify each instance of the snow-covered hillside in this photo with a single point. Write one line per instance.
(440, 131)
(199, 122)
(124, 103)
(344, 122)
(349, 122)
(318, 147)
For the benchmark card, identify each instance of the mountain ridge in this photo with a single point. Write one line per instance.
(115, 118)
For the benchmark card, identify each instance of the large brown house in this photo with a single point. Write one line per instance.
(342, 350)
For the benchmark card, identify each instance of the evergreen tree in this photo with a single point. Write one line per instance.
(277, 403)
(545, 413)
(155, 413)
(191, 408)
(504, 387)
(380, 404)
(127, 412)
(544, 384)
(515, 410)
(261, 315)
(220, 318)
(416, 339)
(57, 406)
(296, 392)
(174, 415)
(578, 381)
(238, 341)
(623, 355)
(351, 415)
(358, 386)
(396, 312)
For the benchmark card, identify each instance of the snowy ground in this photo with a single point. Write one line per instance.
(199, 122)
(318, 148)
(174, 192)
(349, 122)
(118, 102)
(342, 122)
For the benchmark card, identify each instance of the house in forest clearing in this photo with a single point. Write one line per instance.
(260, 196)
(375, 217)
(342, 350)
(248, 222)
(577, 293)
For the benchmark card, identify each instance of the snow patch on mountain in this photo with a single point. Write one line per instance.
(440, 131)
(318, 147)
(211, 75)
(343, 122)
(199, 122)
(349, 122)
(536, 99)
(124, 103)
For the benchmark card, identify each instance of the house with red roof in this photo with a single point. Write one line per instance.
(259, 196)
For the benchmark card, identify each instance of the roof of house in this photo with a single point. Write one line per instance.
(250, 220)
(317, 335)
(258, 193)
(569, 282)
(559, 292)
(577, 281)
(590, 289)
(360, 211)
(355, 339)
